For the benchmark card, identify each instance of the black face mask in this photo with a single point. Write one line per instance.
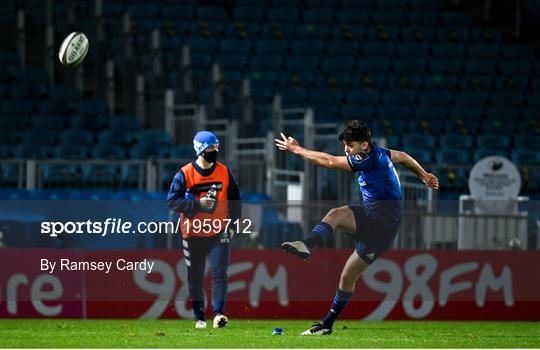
(210, 157)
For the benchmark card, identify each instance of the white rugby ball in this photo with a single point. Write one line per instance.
(73, 49)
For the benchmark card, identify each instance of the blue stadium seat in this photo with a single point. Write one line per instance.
(41, 137)
(376, 64)
(271, 46)
(485, 35)
(494, 141)
(517, 82)
(71, 152)
(507, 99)
(232, 61)
(398, 97)
(533, 100)
(431, 127)
(55, 175)
(424, 4)
(342, 47)
(266, 62)
(117, 137)
(423, 17)
(176, 12)
(436, 98)
(21, 122)
(200, 45)
(413, 49)
(338, 64)
(532, 113)
(418, 33)
(391, 4)
(526, 157)
(518, 66)
(484, 50)
(456, 19)
(498, 127)
(293, 98)
(125, 122)
(480, 82)
(388, 17)
(429, 112)
(527, 142)
(353, 16)
(233, 45)
(369, 81)
(503, 113)
(182, 151)
(445, 65)
(453, 34)
(32, 152)
(283, 14)
(471, 99)
(326, 96)
(108, 152)
(383, 33)
(143, 11)
(377, 49)
(350, 112)
(422, 155)
(395, 114)
(366, 98)
(99, 175)
(440, 82)
(480, 67)
(480, 153)
(318, 15)
(456, 141)
(248, 13)
(307, 47)
(467, 113)
(452, 156)
(517, 53)
(277, 30)
(10, 137)
(410, 65)
(448, 50)
(314, 31)
(405, 82)
(302, 63)
(211, 14)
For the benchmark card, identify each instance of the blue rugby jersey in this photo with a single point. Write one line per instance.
(379, 184)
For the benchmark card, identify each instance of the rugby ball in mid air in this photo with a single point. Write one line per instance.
(73, 49)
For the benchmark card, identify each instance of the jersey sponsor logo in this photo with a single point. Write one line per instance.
(359, 157)
(198, 188)
(371, 255)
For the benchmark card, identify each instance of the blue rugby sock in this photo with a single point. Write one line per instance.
(320, 233)
(340, 301)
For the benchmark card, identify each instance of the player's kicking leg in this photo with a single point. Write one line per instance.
(342, 218)
(351, 272)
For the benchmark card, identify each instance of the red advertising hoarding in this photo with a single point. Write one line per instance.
(265, 284)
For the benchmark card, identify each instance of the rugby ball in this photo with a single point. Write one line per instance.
(73, 49)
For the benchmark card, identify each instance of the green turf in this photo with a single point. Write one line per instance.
(258, 334)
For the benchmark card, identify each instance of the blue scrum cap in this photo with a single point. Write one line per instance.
(203, 140)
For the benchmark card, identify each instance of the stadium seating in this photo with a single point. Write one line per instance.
(406, 65)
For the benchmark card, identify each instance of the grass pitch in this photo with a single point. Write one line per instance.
(258, 334)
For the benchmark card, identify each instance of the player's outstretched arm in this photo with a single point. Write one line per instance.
(322, 159)
(410, 163)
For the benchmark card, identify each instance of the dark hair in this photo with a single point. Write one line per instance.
(356, 130)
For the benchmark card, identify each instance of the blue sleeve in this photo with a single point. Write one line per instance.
(358, 162)
(387, 151)
(176, 199)
(233, 196)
